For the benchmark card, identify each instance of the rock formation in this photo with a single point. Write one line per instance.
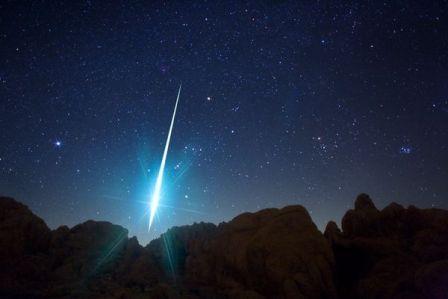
(392, 253)
(273, 253)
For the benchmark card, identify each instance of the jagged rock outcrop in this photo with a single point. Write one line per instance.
(274, 253)
(90, 260)
(82, 252)
(392, 253)
(395, 253)
(277, 253)
(24, 242)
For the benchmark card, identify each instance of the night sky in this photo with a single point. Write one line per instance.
(282, 103)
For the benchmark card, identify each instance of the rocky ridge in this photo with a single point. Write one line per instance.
(395, 253)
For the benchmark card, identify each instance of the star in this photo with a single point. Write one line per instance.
(280, 101)
(405, 150)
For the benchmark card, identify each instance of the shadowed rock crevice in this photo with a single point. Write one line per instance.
(395, 252)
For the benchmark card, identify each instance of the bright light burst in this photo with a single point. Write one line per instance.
(156, 194)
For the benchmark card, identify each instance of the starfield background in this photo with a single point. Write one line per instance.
(283, 103)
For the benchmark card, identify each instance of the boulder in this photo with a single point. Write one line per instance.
(24, 242)
(83, 253)
(21, 232)
(272, 253)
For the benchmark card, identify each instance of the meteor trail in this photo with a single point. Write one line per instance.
(156, 194)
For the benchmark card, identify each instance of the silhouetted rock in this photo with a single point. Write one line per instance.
(390, 253)
(83, 252)
(395, 253)
(332, 231)
(24, 240)
(361, 220)
(432, 280)
(21, 232)
(173, 247)
(275, 253)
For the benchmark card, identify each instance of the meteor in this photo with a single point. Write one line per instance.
(156, 194)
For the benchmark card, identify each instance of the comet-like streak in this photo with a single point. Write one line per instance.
(156, 194)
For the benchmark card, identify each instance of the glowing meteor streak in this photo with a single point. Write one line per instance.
(156, 194)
